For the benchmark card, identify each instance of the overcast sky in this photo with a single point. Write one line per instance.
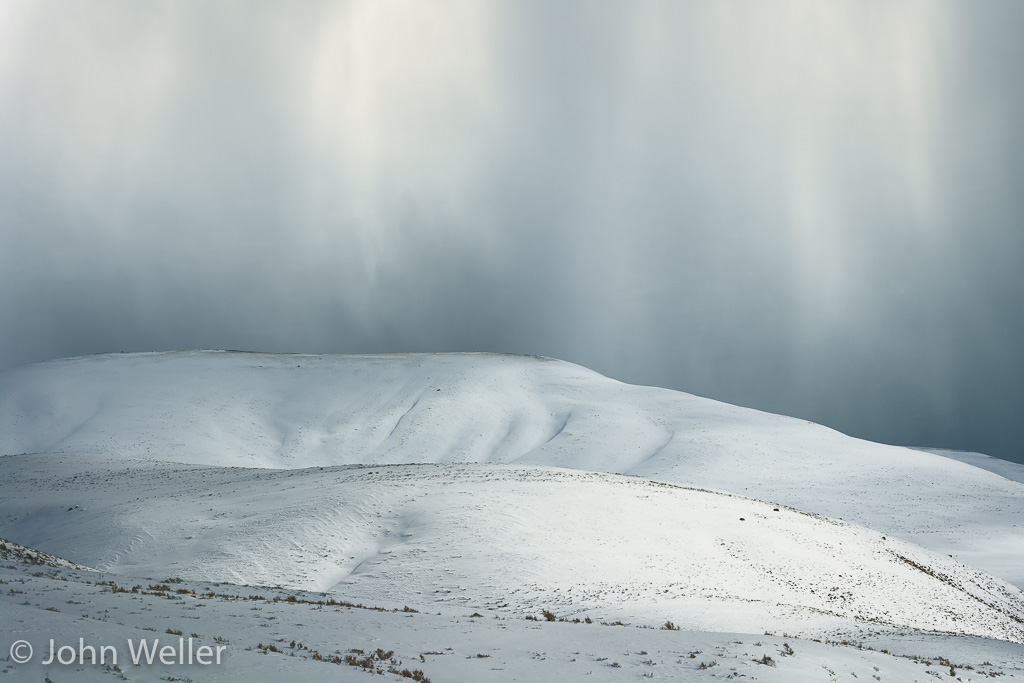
(812, 208)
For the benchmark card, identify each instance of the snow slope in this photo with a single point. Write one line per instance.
(292, 411)
(1003, 468)
(252, 500)
(64, 604)
(501, 539)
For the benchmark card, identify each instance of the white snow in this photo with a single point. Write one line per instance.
(294, 411)
(65, 605)
(459, 484)
(1003, 468)
(503, 539)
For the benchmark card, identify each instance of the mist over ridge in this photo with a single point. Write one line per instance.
(808, 209)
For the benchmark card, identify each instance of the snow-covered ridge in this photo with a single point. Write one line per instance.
(298, 411)
(505, 540)
(18, 553)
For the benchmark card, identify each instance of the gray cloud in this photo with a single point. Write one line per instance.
(809, 208)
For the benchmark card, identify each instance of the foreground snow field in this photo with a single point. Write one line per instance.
(253, 498)
(272, 634)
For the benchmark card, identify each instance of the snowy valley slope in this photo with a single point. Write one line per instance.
(280, 635)
(501, 540)
(293, 411)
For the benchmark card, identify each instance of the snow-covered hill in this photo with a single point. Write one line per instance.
(261, 503)
(294, 411)
(501, 539)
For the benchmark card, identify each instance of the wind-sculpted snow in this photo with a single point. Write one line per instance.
(502, 539)
(294, 411)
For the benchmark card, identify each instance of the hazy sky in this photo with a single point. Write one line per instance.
(812, 208)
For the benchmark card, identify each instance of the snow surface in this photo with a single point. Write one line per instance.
(1004, 468)
(436, 487)
(503, 539)
(453, 646)
(296, 411)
